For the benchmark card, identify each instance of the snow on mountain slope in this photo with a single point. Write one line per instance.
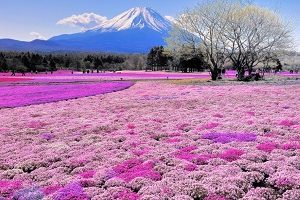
(139, 17)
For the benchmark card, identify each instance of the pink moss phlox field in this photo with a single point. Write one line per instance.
(15, 96)
(156, 140)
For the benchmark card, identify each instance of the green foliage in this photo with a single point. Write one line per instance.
(157, 59)
(160, 59)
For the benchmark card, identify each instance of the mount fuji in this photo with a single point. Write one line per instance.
(133, 31)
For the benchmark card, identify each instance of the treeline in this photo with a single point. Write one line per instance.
(24, 62)
(159, 59)
(192, 60)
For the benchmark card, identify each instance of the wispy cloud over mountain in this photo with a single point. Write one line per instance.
(84, 21)
(37, 35)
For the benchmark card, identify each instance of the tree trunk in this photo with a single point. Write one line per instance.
(241, 74)
(214, 74)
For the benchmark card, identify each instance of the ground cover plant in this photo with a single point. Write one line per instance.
(22, 95)
(156, 140)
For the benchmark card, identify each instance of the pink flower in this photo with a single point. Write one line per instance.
(126, 195)
(173, 140)
(51, 189)
(215, 197)
(218, 115)
(209, 126)
(182, 127)
(130, 126)
(190, 167)
(250, 113)
(37, 124)
(291, 146)
(288, 123)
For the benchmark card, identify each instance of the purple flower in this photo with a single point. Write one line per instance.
(32, 193)
(229, 137)
(16, 96)
(73, 191)
(47, 136)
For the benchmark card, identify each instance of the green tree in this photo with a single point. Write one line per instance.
(52, 66)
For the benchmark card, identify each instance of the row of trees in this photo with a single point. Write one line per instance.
(161, 59)
(231, 31)
(38, 62)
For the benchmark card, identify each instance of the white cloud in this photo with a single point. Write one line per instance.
(36, 35)
(84, 21)
(171, 19)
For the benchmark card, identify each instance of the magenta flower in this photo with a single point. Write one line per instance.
(130, 126)
(51, 189)
(87, 174)
(134, 168)
(7, 187)
(231, 154)
(267, 147)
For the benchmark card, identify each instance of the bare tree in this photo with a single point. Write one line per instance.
(252, 34)
(231, 29)
(201, 29)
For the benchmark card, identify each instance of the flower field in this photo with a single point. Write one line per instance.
(124, 75)
(155, 140)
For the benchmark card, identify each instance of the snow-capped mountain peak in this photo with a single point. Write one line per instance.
(134, 31)
(139, 17)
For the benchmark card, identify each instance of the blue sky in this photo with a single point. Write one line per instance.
(27, 20)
